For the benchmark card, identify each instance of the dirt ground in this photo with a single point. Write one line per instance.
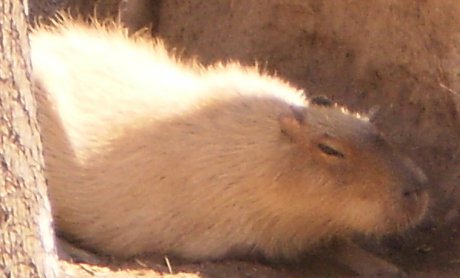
(401, 57)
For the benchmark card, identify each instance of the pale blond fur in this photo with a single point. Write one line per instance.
(145, 153)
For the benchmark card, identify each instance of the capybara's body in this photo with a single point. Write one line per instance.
(146, 154)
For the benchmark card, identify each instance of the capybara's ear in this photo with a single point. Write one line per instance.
(291, 123)
(372, 113)
(321, 100)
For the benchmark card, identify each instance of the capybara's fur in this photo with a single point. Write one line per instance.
(148, 154)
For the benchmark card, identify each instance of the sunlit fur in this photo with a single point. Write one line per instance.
(145, 153)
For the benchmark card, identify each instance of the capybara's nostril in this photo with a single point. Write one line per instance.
(409, 193)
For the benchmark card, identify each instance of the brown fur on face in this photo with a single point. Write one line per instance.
(147, 154)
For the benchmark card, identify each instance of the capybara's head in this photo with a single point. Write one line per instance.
(348, 174)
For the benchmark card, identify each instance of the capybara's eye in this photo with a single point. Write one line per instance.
(330, 150)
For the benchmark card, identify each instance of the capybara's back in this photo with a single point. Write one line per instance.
(145, 153)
